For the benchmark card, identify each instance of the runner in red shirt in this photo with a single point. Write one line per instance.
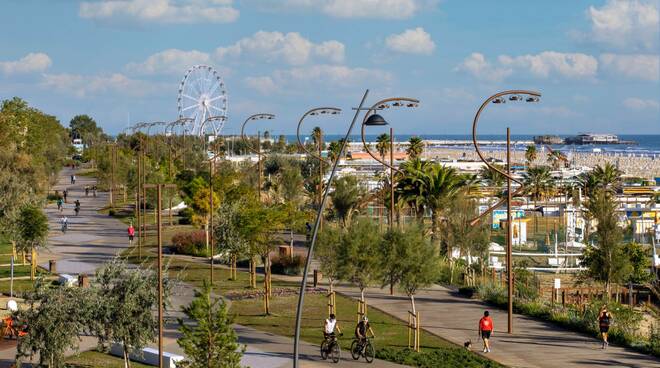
(485, 330)
(131, 234)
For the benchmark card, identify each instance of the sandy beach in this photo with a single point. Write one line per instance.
(639, 166)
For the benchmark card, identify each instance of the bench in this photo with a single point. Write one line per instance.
(149, 356)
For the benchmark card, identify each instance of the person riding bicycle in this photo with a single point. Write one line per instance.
(60, 204)
(363, 327)
(330, 326)
(65, 224)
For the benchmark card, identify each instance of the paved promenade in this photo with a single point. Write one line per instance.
(93, 239)
(534, 343)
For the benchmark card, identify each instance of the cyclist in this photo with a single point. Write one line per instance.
(60, 204)
(363, 327)
(65, 224)
(330, 326)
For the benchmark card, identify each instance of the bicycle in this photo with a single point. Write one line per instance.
(330, 348)
(363, 349)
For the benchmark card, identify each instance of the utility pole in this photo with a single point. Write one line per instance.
(159, 208)
(391, 177)
(509, 234)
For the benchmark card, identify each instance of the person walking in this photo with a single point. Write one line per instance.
(73, 179)
(94, 191)
(604, 322)
(486, 330)
(131, 233)
(60, 204)
(65, 193)
(86, 190)
(77, 208)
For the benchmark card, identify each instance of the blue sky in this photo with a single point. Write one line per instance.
(121, 61)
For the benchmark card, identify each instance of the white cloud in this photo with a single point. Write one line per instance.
(85, 85)
(263, 85)
(160, 11)
(550, 62)
(30, 63)
(477, 65)
(626, 23)
(411, 41)
(291, 48)
(170, 61)
(638, 66)
(634, 103)
(325, 75)
(387, 9)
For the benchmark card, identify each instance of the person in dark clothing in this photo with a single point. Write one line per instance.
(604, 322)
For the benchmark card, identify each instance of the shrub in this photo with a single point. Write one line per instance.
(288, 266)
(437, 358)
(185, 216)
(111, 213)
(467, 291)
(191, 243)
(492, 293)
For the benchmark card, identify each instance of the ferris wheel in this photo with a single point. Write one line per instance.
(202, 95)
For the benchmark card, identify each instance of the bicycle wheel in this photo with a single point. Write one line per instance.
(335, 352)
(324, 349)
(369, 352)
(355, 350)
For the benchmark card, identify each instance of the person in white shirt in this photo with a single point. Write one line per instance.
(330, 326)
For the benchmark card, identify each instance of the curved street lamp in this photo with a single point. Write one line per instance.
(373, 119)
(501, 98)
(315, 231)
(261, 116)
(316, 112)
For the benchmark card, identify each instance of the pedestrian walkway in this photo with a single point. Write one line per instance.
(534, 343)
(93, 239)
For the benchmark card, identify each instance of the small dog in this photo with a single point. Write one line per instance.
(468, 344)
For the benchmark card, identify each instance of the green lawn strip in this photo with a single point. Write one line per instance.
(95, 359)
(391, 333)
(20, 286)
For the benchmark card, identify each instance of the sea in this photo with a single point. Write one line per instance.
(645, 145)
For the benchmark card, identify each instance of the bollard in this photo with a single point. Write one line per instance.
(83, 280)
(52, 266)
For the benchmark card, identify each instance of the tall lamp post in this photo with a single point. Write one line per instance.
(374, 119)
(316, 112)
(211, 120)
(501, 98)
(303, 284)
(258, 150)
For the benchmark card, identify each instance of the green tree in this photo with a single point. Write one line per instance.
(54, 319)
(383, 145)
(639, 263)
(469, 240)
(531, 154)
(124, 300)
(227, 233)
(346, 197)
(33, 227)
(415, 147)
(607, 262)
(419, 262)
(85, 127)
(327, 244)
(493, 178)
(359, 255)
(210, 341)
(608, 177)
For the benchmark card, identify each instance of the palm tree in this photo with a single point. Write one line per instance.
(554, 158)
(383, 145)
(346, 197)
(608, 176)
(440, 185)
(415, 147)
(317, 135)
(492, 178)
(333, 150)
(409, 185)
(539, 184)
(531, 154)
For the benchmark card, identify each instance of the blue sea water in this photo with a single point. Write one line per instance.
(645, 144)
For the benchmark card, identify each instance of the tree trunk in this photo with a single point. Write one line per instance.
(435, 229)
(127, 361)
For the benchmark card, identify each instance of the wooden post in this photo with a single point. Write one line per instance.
(563, 298)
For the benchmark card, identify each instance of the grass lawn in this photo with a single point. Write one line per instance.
(95, 359)
(390, 332)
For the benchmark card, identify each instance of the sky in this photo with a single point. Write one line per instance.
(595, 62)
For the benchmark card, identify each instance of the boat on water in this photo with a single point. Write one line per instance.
(596, 138)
